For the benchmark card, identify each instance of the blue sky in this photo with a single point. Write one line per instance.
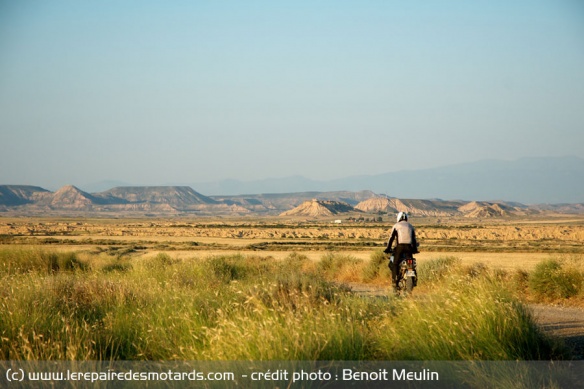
(161, 92)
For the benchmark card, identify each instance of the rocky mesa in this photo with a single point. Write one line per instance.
(183, 201)
(320, 208)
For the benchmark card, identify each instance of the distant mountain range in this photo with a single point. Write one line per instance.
(22, 200)
(480, 189)
(548, 180)
(436, 208)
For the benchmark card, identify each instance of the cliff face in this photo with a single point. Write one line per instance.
(377, 204)
(123, 199)
(71, 197)
(178, 197)
(412, 206)
(14, 195)
(440, 208)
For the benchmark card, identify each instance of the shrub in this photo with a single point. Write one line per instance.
(436, 269)
(296, 262)
(339, 267)
(377, 267)
(311, 286)
(477, 269)
(88, 298)
(160, 262)
(520, 280)
(228, 268)
(117, 267)
(64, 261)
(552, 280)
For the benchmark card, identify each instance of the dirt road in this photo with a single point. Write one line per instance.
(564, 322)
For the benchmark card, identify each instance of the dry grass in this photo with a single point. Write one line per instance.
(250, 307)
(509, 245)
(250, 231)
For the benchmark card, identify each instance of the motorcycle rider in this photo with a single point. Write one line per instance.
(406, 245)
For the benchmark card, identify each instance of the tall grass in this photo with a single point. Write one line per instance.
(31, 259)
(437, 269)
(249, 307)
(377, 267)
(473, 318)
(340, 267)
(557, 279)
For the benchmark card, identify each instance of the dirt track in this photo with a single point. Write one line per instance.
(564, 322)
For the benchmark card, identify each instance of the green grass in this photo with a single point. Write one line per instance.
(557, 279)
(472, 319)
(437, 269)
(377, 268)
(31, 259)
(249, 307)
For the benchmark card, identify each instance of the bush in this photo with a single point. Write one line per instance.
(64, 262)
(551, 279)
(227, 268)
(160, 262)
(117, 267)
(311, 286)
(339, 267)
(476, 270)
(296, 262)
(436, 269)
(377, 267)
(520, 280)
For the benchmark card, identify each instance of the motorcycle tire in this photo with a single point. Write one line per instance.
(409, 285)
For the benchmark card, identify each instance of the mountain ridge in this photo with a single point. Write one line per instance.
(183, 200)
(528, 180)
(550, 184)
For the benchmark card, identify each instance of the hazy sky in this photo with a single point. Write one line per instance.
(159, 92)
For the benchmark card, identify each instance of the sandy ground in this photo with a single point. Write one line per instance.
(564, 322)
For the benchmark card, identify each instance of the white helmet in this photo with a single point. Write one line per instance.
(402, 216)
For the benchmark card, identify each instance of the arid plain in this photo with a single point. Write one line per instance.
(498, 243)
(514, 248)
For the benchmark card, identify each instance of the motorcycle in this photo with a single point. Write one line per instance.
(407, 275)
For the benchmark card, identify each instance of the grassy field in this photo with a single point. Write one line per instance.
(160, 290)
(60, 305)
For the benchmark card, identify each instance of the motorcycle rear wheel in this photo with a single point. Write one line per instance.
(409, 285)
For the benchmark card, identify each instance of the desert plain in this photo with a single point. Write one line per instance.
(512, 243)
(513, 247)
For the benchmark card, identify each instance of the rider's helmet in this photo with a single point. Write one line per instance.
(402, 216)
